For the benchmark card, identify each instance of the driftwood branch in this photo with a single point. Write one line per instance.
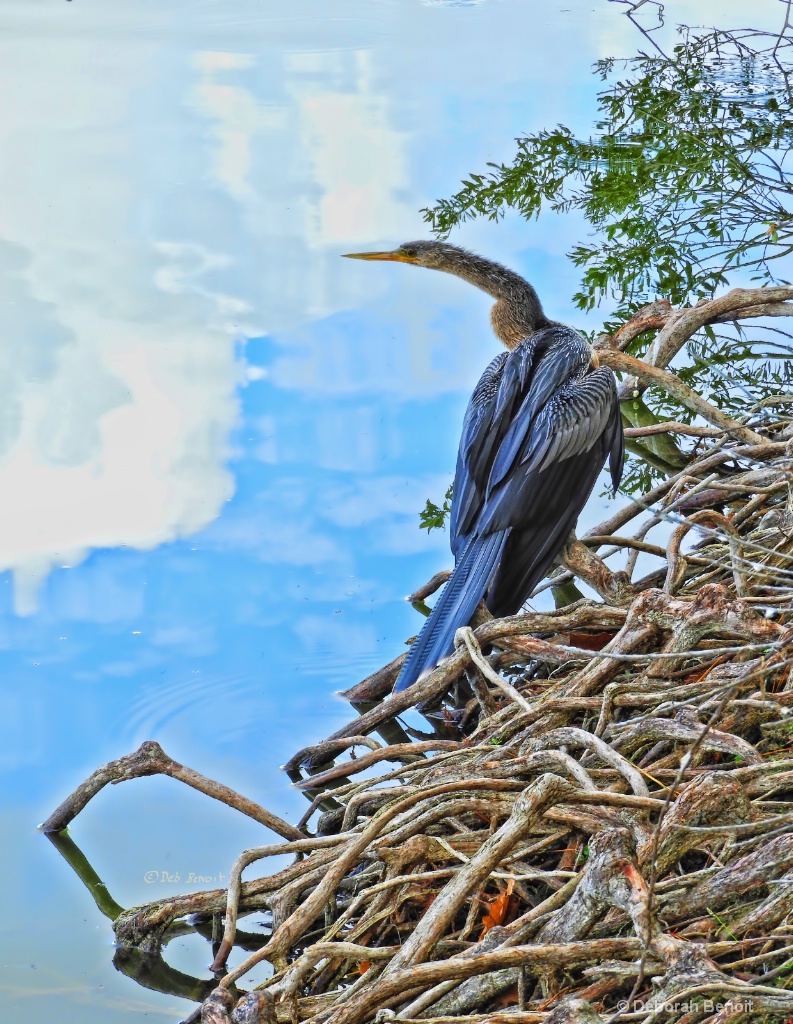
(648, 374)
(151, 759)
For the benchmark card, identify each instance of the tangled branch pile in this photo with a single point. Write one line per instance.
(607, 834)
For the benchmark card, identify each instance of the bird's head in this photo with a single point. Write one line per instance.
(517, 312)
(437, 255)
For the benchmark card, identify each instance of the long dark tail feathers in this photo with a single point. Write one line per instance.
(454, 608)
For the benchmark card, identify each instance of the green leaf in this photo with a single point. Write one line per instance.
(719, 921)
(432, 516)
(673, 178)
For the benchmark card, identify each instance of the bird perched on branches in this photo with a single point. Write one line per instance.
(537, 431)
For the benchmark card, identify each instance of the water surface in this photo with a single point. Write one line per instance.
(215, 434)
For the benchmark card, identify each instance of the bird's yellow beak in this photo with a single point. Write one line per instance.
(396, 256)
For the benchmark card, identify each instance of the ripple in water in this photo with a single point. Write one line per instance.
(203, 698)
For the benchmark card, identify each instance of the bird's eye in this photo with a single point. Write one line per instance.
(410, 251)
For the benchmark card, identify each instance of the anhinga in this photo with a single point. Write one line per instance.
(538, 428)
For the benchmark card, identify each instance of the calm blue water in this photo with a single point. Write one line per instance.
(215, 434)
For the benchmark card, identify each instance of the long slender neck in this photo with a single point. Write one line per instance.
(517, 312)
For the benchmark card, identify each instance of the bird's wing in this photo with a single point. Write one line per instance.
(535, 436)
(580, 417)
(555, 364)
(540, 500)
(475, 454)
(512, 391)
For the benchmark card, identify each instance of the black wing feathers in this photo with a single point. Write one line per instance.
(560, 463)
(536, 434)
(566, 357)
(475, 454)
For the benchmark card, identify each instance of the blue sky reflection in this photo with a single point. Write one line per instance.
(216, 435)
